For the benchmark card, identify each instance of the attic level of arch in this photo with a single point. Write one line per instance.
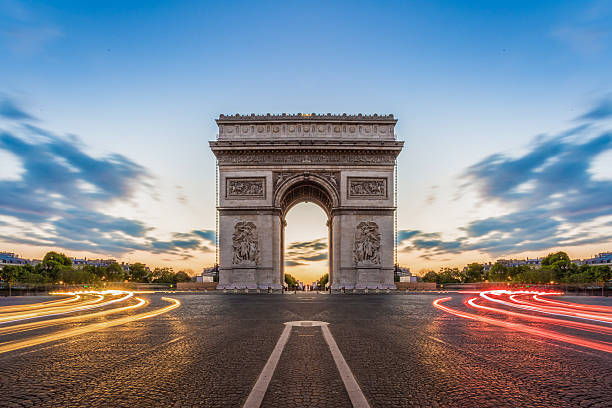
(305, 117)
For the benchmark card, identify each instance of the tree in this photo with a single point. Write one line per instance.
(290, 281)
(182, 276)
(449, 275)
(114, 273)
(53, 263)
(323, 280)
(163, 275)
(57, 257)
(9, 274)
(431, 276)
(138, 273)
(497, 273)
(474, 272)
(601, 273)
(552, 258)
(559, 266)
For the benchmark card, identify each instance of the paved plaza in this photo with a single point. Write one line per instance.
(211, 350)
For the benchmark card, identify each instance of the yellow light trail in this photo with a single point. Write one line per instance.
(16, 345)
(40, 305)
(15, 317)
(11, 317)
(47, 323)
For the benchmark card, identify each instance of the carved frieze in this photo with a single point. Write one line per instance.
(245, 249)
(333, 177)
(245, 188)
(366, 250)
(306, 158)
(367, 187)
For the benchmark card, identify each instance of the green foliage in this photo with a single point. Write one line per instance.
(138, 273)
(163, 275)
(54, 263)
(552, 258)
(323, 280)
(56, 257)
(497, 273)
(290, 280)
(474, 273)
(72, 276)
(431, 277)
(449, 275)
(558, 269)
(182, 276)
(114, 273)
(57, 267)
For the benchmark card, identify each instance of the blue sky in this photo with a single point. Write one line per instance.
(134, 89)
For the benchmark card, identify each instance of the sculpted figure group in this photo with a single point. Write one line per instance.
(244, 243)
(367, 244)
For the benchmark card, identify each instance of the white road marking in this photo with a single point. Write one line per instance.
(263, 381)
(259, 390)
(352, 388)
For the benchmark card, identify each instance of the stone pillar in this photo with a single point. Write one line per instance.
(364, 257)
(330, 250)
(250, 253)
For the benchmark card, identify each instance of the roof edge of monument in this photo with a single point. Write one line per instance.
(301, 117)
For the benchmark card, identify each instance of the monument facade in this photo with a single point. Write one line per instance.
(269, 163)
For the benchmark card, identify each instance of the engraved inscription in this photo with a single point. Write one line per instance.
(254, 187)
(367, 187)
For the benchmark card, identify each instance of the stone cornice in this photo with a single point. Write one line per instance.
(308, 157)
(271, 146)
(304, 117)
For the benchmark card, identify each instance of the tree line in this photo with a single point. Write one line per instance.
(57, 268)
(556, 268)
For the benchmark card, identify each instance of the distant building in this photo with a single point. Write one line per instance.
(10, 258)
(403, 274)
(208, 275)
(602, 258)
(520, 262)
(80, 262)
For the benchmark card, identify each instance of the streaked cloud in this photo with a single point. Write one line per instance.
(61, 196)
(301, 252)
(10, 110)
(24, 31)
(549, 191)
(589, 31)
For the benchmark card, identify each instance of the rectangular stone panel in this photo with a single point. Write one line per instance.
(245, 188)
(367, 187)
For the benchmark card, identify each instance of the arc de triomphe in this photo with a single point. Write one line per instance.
(269, 163)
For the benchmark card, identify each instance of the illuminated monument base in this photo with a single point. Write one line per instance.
(269, 163)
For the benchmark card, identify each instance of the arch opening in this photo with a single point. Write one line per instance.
(306, 191)
(306, 246)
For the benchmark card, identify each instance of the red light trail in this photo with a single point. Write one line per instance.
(565, 309)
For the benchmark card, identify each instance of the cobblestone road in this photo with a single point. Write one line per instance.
(210, 352)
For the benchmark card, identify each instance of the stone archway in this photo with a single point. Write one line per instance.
(302, 187)
(269, 163)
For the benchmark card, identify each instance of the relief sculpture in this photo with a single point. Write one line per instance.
(246, 188)
(244, 243)
(367, 244)
(367, 187)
